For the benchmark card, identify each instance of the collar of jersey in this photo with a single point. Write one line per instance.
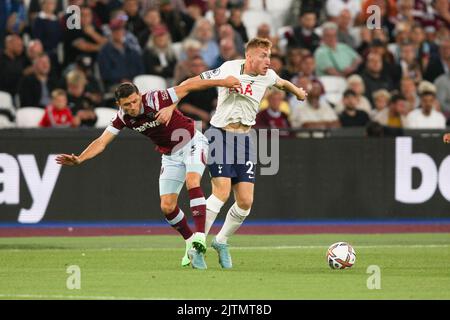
(242, 71)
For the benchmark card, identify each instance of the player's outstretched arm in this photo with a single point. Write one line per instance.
(446, 138)
(286, 85)
(197, 84)
(96, 147)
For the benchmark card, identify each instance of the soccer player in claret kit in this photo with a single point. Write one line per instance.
(184, 151)
(235, 115)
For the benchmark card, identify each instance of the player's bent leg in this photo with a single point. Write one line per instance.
(175, 217)
(198, 209)
(221, 187)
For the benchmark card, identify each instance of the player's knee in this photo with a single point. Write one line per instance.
(168, 206)
(222, 194)
(245, 203)
(192, 181)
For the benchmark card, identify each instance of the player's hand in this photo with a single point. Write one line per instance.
(232, 82)
(164, 115)
(68, 160)
(301, 94)
(446, 138)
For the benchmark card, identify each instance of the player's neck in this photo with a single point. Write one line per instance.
(249, 71)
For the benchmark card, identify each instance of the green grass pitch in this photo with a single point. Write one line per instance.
(413, 266)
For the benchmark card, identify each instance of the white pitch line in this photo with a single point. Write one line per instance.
(244, 248)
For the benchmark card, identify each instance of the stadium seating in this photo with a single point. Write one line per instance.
(147, 82)
(29, 117)
(104, 116)
(334, 87)
(253, 18)
(6, 102)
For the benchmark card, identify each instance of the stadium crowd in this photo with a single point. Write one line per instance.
(396, 76)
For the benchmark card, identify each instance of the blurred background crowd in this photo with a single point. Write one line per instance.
(59, 64)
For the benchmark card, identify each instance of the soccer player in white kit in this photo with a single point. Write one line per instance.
(235, 115)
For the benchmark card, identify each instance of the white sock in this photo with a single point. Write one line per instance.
(213, 206)
(235, 217)
(189, 240)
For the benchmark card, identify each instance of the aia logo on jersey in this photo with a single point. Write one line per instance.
(245, 91)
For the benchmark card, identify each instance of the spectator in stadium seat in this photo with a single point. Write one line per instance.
(356, 84)
(57, 113)
(34, 89)
(402, 34)
(440, 65)
(283, 105)
(277, 65)
(380, 102)
(272, 117)
(442, 84)
(426, 116)
(334, 58)
(316, 113)
(395, 115)
(12, 64)
(264, 31)
(227, 52)
(190, 49)
(203, 32)
(335, 7)
(425, 49)
(408, 89)
(159, 57)
(408, 65)
(87, 41)
(226, 31)
(134, 24)
(373, 76)
(118, 62)
(235, 20)
(343, 22)
(13, 19)
(294, 61)
(47, 28)
(303, 34)
(352, 115)
(152, 18)
(199, 105)
(79, 102)
(34, 50)
(179, 23)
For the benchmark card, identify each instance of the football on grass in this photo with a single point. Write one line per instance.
(341, 255)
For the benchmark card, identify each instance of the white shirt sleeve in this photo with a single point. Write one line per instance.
(218, 73)
(272, 76)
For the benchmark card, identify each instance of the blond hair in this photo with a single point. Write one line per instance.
(76, 77)
(58, 93)
(258, 43)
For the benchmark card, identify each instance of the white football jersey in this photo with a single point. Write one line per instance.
(239, 105)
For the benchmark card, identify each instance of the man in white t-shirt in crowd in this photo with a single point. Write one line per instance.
(426, 116)
(316, 113)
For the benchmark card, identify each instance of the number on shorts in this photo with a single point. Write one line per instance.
(250, 171)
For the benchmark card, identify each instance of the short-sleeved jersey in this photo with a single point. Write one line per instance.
(239, 105)
(145, 123)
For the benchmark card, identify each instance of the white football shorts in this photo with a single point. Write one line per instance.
(191, 158)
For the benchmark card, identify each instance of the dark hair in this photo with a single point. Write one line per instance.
(307, 11)
(125, 90)
(397, 97)
(349, 92)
